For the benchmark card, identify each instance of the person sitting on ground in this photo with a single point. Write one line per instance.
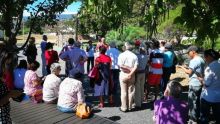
(7, 59)
(31, 80)
(19, 73)
(70, 93)
(171, 110)
(51, 84)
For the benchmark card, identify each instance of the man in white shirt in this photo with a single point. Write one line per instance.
(128, 63)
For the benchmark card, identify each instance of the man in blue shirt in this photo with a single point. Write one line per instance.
(43, 49)
(168, 58)
(90, 50)
(195, 70)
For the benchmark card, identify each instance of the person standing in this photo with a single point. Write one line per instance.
(31, 50)
(128, 63)
(168, 58)
(51, 56)
(210, 96)
(90, 54)
(113, 53)
(101, 43)
(43, 49)
(195, 70)
(140, 76)
(68, 47)
(103, 86)
(77, 57)
(155, 69)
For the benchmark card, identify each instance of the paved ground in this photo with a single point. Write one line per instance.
(143, 116)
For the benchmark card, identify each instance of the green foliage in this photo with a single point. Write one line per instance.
(100, 16)
(202, 16)
(217, 46)
(130, 33)
(41, 12)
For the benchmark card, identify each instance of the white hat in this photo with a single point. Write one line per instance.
(54, 66)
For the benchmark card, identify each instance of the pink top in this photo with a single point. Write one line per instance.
(70, 93)
(29, 87)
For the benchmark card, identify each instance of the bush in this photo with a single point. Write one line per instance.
(129, 33)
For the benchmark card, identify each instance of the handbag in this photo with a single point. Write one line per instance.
(93, 72)
(37, 96)
(83, 111)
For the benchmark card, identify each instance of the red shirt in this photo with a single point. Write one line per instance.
(103, 58)
(8, 79)
(51, 57)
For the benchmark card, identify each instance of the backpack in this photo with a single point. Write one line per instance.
(37, 96)
(83, 111)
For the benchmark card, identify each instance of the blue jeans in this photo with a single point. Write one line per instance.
(65, 110)
(194, 102)
(205, 107)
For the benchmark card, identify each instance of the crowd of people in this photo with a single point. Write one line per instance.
(138, 69)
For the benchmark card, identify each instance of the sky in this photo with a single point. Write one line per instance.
(71, 9)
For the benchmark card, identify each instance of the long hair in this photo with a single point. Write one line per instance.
(8, 61)
(212, 53)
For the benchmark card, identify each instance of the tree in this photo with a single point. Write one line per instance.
(12, 13)
(100, 16)
(202, 17)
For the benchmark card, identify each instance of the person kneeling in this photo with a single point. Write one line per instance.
(70, 93)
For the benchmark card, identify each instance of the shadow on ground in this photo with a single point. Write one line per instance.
(114, 118)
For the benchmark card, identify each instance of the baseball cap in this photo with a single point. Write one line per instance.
(192, 48)
(54, 66)
(77, 44)
(137, 43)
(112, 44)
(168, 46)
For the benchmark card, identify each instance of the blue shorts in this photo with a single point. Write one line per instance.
(65, 110)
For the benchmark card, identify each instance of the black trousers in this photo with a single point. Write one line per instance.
(90, 61)
(205, 108)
